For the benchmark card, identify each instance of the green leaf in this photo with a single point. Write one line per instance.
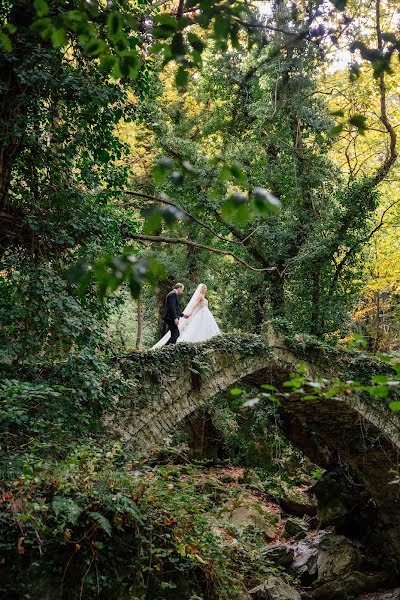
(5, 42)
(41, 7)
(115, 30)
(177, 46)
(265, 202)
(161, 169)
(102, 521)
(107, 62)
(378, 391)
(354, 71)
(129, 63)
(359, 121)
(335, 130)
(95, 47)
(379, 379)
(395, 406)
(167, 26)
(236, 208)
(58, 37)
(236, 391)
(221, 26)
(268, 386)
(196, 43)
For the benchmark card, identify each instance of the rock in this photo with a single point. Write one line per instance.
(249, 517)
(336, 497)
(391, 595)
(336, 556)
(298, 502)
(274, 588)
(279, 554)
(324, 557)
(347, 587)
(304, 565)
(295, 528)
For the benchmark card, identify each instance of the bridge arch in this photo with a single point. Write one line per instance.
(171, 383)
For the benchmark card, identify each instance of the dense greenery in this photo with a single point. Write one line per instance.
(143, 143)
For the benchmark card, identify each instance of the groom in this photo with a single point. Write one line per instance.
(172, 311)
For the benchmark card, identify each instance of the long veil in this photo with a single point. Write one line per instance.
(192, 302)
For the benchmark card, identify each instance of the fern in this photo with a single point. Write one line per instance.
(102, 521)
(125, 504)
(66, 508)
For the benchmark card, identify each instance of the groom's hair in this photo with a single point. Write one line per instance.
(178, 285)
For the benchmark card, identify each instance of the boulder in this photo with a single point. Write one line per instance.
(298, 502)
(336, 498)
(348, 586)
(281, 555)
(391, 595)
(295, 528)
(304, 565)
(248, 517)
(336, 556)
(274, 588)
(324, 557)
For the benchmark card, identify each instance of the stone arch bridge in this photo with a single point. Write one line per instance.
(172, 383)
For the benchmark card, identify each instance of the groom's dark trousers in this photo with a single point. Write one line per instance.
(174, 332)
(172, 311)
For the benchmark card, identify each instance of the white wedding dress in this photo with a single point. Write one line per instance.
(200, 326)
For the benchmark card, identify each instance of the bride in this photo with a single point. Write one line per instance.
(201, 324)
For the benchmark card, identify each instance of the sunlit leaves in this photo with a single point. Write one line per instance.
(6, 30)
(236, 391)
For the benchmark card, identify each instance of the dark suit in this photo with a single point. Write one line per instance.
(172, 311)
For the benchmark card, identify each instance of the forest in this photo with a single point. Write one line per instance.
(238, 158)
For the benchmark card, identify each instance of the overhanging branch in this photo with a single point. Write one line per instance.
(160, 239)
(191, 216)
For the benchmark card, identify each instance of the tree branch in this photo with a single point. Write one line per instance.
(187, 213)
(169, 240)
(392, 153)
(350, 251)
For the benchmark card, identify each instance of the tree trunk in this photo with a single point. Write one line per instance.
(139, 324)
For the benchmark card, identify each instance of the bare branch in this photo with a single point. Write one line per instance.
(169, 240)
